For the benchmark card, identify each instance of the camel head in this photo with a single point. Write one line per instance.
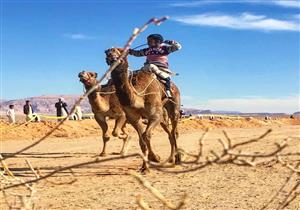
(112, 54)
(88, 78)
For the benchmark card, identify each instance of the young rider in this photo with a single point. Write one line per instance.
(157, 57)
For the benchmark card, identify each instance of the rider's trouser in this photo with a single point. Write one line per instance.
(163, 73)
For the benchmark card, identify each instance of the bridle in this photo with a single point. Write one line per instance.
(108, 53)
(86, 81)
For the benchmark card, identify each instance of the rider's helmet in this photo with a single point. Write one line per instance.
(154, 40)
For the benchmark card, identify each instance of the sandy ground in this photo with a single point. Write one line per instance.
(107, 185)
(89, 127)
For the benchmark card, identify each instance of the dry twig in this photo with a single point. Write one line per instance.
(156, 194)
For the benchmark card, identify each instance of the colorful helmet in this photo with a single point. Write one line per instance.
(156, 37)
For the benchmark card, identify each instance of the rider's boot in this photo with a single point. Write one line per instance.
(168, 93)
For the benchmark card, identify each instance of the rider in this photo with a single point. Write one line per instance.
(157, 60)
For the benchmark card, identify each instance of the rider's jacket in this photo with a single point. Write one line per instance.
(157, 55)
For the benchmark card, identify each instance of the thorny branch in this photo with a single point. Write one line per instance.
(231, 154)
(293, 192)
(155, 193)
(21, 201)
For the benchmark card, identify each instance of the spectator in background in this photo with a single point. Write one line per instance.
(78, 112)
(181, 113)
(61, 108)
(11, 114)
(28, 110)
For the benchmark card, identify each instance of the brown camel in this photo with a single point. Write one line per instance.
(143, 96)
(105, 103)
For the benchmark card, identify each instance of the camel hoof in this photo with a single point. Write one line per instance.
(154, 158)
(116, 153)
(177, 159)
(119, 153)
(171, 160)
(144, 170)
(102, 154)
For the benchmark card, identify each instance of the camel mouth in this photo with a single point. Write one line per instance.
(110, 59)
(84, 78)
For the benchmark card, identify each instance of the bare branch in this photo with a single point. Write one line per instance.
(156, 193)
(142, 204)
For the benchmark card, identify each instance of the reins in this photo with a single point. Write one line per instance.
(142, 45)
(142, 93)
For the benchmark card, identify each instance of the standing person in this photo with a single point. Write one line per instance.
(28, 110)
(61, 108)
(78, 112)
(11, 114)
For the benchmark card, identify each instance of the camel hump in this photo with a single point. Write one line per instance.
(147, 77)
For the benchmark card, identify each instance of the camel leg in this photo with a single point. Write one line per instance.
(165, 125)
(171, 140)
(120, 125)
(125, 140)
(152, 123)
(173, 115)
(174, 121)
(139, 128)
(105, 136)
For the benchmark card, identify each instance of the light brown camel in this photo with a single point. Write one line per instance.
(143, 96)
(105, 103)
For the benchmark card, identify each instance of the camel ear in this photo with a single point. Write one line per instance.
(79, 74)
(94, 74)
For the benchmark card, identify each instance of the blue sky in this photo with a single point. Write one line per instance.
(236, 55)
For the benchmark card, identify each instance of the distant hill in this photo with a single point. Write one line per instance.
(265, 114)
(193, 111)
(45, 104)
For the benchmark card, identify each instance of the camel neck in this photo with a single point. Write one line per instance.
(123, 88)
(98, 102)
(93, 94)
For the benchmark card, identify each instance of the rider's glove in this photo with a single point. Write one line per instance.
(169, 42)
(130, 51)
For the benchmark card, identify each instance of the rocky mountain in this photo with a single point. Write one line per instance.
(192, 111)
(296, 113)
(45, 105)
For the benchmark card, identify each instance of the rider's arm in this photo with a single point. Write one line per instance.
(137, 53)
(172, 46)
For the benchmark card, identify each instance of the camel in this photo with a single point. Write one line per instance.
(142, 95)
(105, 103)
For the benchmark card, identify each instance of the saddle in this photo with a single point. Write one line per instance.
(135, 72)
